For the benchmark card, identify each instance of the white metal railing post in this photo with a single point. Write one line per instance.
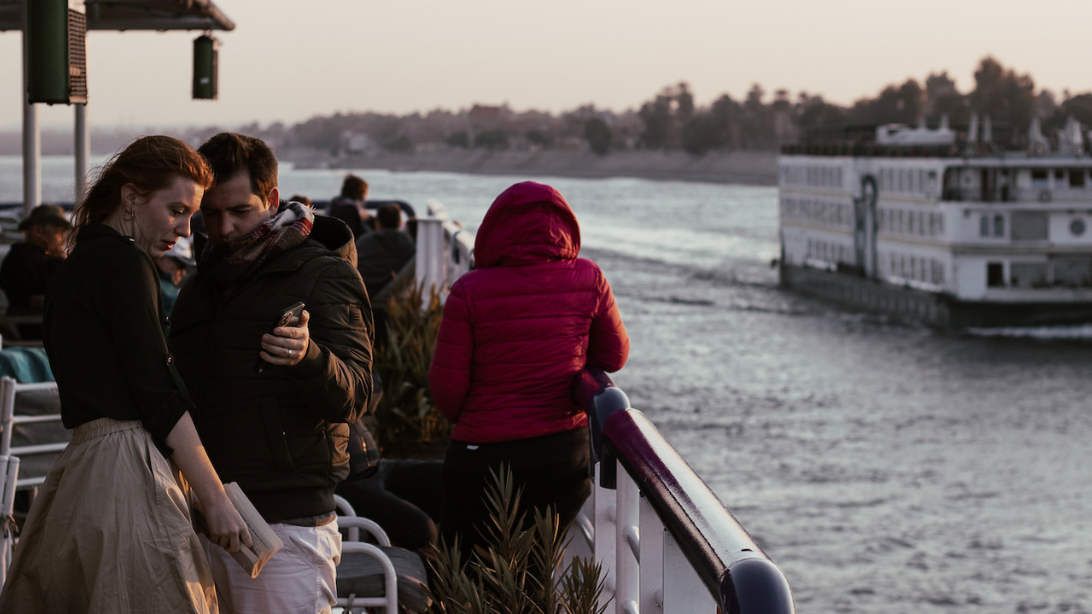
(652, 559)
(683, 589)
(627, 546)
(431, 255)
(604, 535)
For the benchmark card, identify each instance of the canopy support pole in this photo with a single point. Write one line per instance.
(32, 140)
(83, 151)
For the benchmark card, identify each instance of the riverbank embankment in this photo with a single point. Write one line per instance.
(746, 167)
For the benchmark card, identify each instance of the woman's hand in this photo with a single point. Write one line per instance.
(286, 345)
(226, 527)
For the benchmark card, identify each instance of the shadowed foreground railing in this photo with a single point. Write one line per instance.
(666, 542)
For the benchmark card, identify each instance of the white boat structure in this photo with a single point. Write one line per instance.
(948, 230)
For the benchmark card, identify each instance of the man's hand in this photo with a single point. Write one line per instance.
(287, 344)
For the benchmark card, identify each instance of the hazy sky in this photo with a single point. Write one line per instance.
(289, 60)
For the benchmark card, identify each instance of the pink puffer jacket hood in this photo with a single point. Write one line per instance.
(529, 223)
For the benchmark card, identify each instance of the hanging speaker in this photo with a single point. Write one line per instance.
(57, 51)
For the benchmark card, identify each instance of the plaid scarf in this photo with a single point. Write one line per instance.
(230, 261)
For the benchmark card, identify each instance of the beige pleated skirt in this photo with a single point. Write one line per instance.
(110, 531)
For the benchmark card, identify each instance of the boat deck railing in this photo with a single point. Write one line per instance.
(666, 542)
(445, 250)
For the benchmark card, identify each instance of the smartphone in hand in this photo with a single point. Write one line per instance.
(287, 315)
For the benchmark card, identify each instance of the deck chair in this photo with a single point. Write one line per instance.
(9, 472)
(30, 428)
(376, 575)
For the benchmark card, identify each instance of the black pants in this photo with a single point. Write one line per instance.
(403, 496)
(551, 470)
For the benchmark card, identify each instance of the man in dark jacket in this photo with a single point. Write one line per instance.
(381, 254)
(277, 427)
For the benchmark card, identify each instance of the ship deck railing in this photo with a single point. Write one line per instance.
(666, 542)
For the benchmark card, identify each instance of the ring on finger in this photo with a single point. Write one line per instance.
(289, 353)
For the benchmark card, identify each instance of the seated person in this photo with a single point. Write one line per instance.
(30, 264)
(348, 206)
(402, 495)
(173, 267)
(381, 254)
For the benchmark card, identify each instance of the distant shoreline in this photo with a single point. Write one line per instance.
(747, 168)
(737, 167)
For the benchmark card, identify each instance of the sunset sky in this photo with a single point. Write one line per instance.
(287, 61)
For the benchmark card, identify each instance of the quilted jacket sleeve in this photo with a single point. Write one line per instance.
(608, 343)
(449, 375)
(335, 377)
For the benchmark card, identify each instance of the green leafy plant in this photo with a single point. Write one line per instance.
(407, 410)
(520, 570)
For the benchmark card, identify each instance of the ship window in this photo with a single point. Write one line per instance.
(921, 223)
(1040, 178)
(1075, 273)
(1029, 226)
(999, 226)
(984, 226)
(1076, 178)
(995, 274)
(1028, 274)
(911, 225)
(1059, 174)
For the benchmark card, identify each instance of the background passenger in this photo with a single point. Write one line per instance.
(301, 199)
(30, 263)
(173, 268)
(348, 206)
(381, 254)
(110, 530)
(402, 495)
(516, 330)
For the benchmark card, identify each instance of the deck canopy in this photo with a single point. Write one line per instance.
(120, 15)
(109, 15)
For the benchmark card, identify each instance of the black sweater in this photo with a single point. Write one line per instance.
(104, 334)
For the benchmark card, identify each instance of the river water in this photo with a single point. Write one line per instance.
(885, 467)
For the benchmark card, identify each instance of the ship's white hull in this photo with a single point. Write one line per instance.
(950, 241)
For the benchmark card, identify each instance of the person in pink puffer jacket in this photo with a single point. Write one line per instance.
(516, 330)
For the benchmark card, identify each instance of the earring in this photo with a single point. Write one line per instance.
(129, 214)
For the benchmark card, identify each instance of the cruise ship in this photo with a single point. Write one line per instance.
(947, 229)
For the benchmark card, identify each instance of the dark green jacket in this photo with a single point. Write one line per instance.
(281, 434)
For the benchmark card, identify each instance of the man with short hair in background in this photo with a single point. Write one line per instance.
(277, 427)
(381, 254)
